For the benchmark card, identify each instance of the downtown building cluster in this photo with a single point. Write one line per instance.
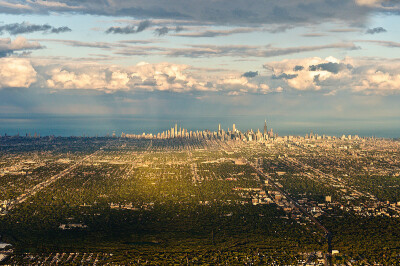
(232, 134)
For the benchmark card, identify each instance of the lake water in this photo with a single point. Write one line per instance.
(102, 125)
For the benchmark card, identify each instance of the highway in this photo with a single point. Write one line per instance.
(23, 197)
(298, 206)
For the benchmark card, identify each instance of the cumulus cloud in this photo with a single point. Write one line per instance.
(376, 30)
(330, 67)
(165, 30)
(129, 29)
(92, 79)
(310, 73)
(16, 72)
(122, 30)
(143, 25)
(375, 77)
(161, 31)
(238, 85)
(298, 68)
(357, 75)
(250, 74)
(25, 27)
(380, 82)
(143, 76)
(284, 76)
(60, 29)
(179, 28)
(7, 46)
(171, 77)
(329, 75)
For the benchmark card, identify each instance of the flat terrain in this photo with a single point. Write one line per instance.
(199, 200)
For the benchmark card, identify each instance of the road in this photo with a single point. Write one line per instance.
(22, 198)
(298, 206)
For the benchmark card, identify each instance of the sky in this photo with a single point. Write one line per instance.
(331, 66)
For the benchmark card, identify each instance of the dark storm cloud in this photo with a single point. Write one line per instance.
(250, 74)
(316, 79)
(376, 30)
(165, 30)
(298, 68)
(129, 29)
(122, 30)
(143, 25)
(232, 12)
(60, 29)
(179, 28)
(161, 31)
(20, 28)
(285, 76)
(25, 27)
(330, 67)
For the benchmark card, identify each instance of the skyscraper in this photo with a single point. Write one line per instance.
(265, 128)
(219, 127)
(234, 128)
(176, 129)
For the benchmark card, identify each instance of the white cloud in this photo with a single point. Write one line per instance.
(329, 75)
(367, 76)
(7, 46)
(143, 76)
(16, 72)
(148, 77)
(236, 84)
(72, 79)
(302, 75)
(381, 82)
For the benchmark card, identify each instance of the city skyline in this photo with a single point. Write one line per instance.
(220, 133)
(230, 133)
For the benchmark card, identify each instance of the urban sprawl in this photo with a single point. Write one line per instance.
(200, 197)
